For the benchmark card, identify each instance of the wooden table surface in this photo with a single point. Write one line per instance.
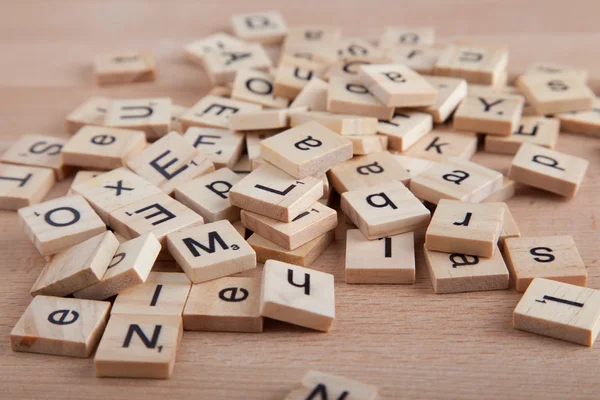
(407, 340)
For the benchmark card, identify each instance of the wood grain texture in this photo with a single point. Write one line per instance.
(406, 340)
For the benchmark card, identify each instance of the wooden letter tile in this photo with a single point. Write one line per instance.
(313, 34)
(390, 259)
(264, 27)
(584, 122)
(456, 179)
(457, 273)
(439, 145)
(319, 385)
(103, 148)
(170, 161)
(224, 305)
(420, 58)
(451, 92)
(294, 74)
(90, 112)
(557, 93)
(307, 149)
(405, 129)
(22, 186)
(397, 85)
(297, 295)
(222, 146)
(476, 64)
(349, 96)
(466, 228)
(139, 346)
(313, 96)
(540, 131)
(208, 195)
(256, 87)
(214, 112)
(548, 169)
(130, 266)
(77, 267)
(38, 151)
(125, 67)
(58, 224)
(559, 310)
(401, 35)
(314, 222)
(152, 116)
(303, 256)
(211, 251)
(385, 210)
(339, 123)
(271, 192)
(550, 257)
(365, 171)
(222, 65)
(159, 214)
(492, 114)
(62, 327)
(220, 41)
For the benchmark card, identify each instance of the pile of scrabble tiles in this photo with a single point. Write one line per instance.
(343, 138)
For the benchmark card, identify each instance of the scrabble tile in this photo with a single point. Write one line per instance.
(558, 93)
(365, 171)
(536, 130)
(451, 92)
(348, 67)
(283, 198)
(394, 36)
(139, 346)
(222, 146)
(259, 120)
(293, 74)
(211, 251)
(559, 310)
(305, 150)
(550, 257)
(38, 151)
(77, 267)
(169, 162)
(125, 67)
(221, 66)
(159, 214)
(129, 267)
(456, 179)
(303, 256)
(264, 27)
(163, 293)
(312, 223)
(103, 148)
(313, 34)
(418, 57)
(414, 166)
(397, 85)
(316, 384)
(22, 185)
(256, 87)
(346, 125)
(363, 145)
(112, 190)
(553, 69)
(388, 260)
(325, 52)
(492, 114)
(176, 112)
(457, 273)
(208, 195)
(548, 169)
(90, 112)
(357, 47)
(313, 96)
(351, 97)
(229, 304)
(440, 145)
(60, 223)
(466, 228)
(62, 327)
(405, 129)
(476, 64)
(214, 112)
(297, 295)
(151, 115)
(504, 193)
(584, 122)
(220, 41)
(385, 210)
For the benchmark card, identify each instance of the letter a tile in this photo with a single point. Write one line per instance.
(59, 326)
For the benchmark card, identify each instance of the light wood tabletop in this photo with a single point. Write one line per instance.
(404, 339)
